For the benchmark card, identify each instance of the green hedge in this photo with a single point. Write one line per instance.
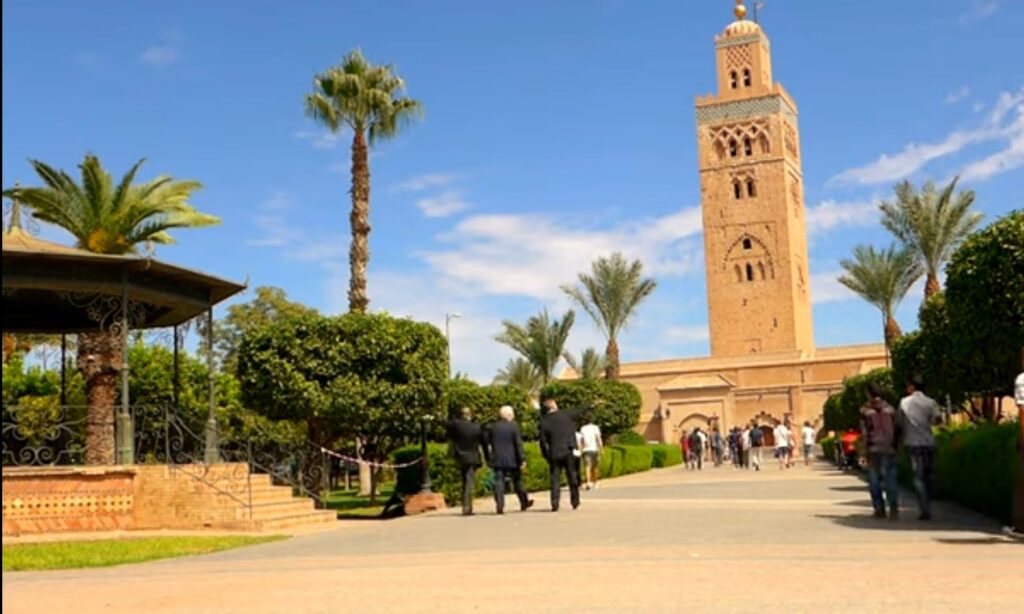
(828, 447)
(445, 479)
(975, 466)
(628, 438)
(842, 410)
(666, 455)
(614, 405)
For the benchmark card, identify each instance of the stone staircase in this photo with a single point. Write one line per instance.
(222, 496)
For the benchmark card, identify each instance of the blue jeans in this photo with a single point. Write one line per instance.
(922, 461)
(882, 474)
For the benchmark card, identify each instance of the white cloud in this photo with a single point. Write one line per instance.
(957, 95)
(425, 181)
(444, 204)
(830, 214)
(980, 9)
(297, 244)
(532, 255)
(321, 139)
(978, 106)
(165, 53)
(278, 201)
(997, 127)
(825, 288)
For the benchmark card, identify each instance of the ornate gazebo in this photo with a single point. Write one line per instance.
(56, 289)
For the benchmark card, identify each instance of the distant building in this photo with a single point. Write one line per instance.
(763, 364)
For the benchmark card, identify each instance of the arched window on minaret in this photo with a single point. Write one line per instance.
(747, 244)
(750, 273)
(733, 80)
(760, 270)
(766, 147)
(746, 77)
(739, 274)
(733, 148)
(751, 188)
(737, 189)
(748, 146)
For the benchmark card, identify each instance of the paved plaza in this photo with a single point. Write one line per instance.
(664, 541)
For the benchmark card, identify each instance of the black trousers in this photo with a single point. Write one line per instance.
(568, 465)
(468, 486)
(516, 476)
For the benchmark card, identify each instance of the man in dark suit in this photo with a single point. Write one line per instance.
(465, 442)
(507, 459)
(557, 442)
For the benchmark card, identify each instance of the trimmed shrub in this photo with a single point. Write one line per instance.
(666, 455)
(615, 405)
(828, 448)
(628, 438)
(486, 400)
(842, 410)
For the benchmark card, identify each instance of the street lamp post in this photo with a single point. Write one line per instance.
(425, 485)
(448, 317)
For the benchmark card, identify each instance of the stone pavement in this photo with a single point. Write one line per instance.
(664, 541)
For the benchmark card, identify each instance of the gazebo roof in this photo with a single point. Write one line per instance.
(53, 288)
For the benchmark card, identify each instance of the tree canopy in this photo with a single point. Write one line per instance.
(541, 341)
(614, 405)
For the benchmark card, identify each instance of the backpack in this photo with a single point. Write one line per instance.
(756, 437)
(695, 443)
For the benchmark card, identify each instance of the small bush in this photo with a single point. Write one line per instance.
(666, 455)
(828, 447)
(628, 438)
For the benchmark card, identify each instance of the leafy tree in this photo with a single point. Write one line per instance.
(611, 294)
(269, 305)
(541, 341)
(485, 401)
(589, 366)
(929, 355)
(843, 412)
(931, 223)
(520, 373)
(370, 378)
(882, 278)
(985, 302)
(108, 219)
(615, 405)
(365, 98)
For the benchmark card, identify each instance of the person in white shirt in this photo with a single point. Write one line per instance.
(782, 445)
(745, 451)
(918, 414)
(591, 444)
(808, 440)
(703, 443)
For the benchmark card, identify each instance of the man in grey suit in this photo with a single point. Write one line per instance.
(507, 459)
(557, 442)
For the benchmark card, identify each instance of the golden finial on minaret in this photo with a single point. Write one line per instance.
(740, 11)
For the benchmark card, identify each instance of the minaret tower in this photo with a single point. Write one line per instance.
(755, 238)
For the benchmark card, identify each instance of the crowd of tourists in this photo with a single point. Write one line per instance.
(745, 446)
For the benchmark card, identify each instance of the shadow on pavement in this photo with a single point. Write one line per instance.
(909, 522)
(976, 541)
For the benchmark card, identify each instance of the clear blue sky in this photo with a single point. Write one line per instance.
(554, 132)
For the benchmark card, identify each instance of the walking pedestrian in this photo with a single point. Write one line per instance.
(808, 439)
(782, 436)
(717, 446)
(557, 443)
(756, 438)
(734, 446)
(696, 450)
(466, 441)
(918, 413)
(684, 443)
(507, 459)
(878, 428)
(592, 444)
(746, 443)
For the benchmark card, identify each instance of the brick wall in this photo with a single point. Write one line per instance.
(46, 500)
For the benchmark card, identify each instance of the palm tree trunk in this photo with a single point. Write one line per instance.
(892, 332)
(931, 286)
(359, 218)
(99, 359)
(611, 353)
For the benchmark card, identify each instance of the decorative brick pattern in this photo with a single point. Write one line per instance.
(50, 500)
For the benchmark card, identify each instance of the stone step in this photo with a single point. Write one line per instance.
(278, 509)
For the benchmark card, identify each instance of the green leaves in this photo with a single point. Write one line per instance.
(882, 278)
(615, 404)
(541, 341)
(107, 219)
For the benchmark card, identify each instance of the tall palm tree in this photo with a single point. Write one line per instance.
(611, 294)
(590, 364)
(541, 341)
(365, 98)
(108, 219)
(931, 222)
(520, 373)
(882, 278)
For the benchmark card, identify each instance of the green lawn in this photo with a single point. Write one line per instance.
(104, 553)
(349, 504)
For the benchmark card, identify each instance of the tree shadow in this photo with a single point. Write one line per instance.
(855, 488)
(909, 522)
(977, 541)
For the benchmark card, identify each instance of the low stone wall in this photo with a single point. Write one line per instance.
(63, 499)
(56, 499)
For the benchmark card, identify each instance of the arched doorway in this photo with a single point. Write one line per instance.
(769, 435)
